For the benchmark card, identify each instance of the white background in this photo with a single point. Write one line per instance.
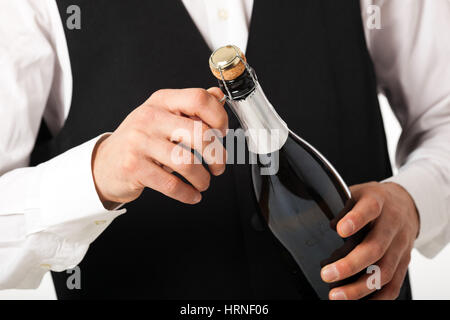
(429, 278)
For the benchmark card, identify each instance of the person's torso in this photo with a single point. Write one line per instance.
(312, 61)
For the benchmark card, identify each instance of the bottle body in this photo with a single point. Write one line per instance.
(301, 204)
(300, 196)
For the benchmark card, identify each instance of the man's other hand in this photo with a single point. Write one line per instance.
(394, 227)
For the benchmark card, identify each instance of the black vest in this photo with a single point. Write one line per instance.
(312, 61)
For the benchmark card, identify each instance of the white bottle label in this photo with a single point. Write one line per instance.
(266, 132)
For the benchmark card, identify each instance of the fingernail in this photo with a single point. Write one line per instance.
(220, 171)
(330, 273)
(338, 295)
(347, 227)
(197, 198)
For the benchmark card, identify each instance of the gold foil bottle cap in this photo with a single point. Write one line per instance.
(226, 59)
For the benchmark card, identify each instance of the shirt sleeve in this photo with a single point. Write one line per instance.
(411, 54)
(49, 214)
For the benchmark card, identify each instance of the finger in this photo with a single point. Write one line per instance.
(198, 136)
(218, 94)
(193, 102)
(356, 187)
(367, 208)
(390, 262)
(353, 291)
(169, 170)
(180, 160)
(392, 290)
(193, 134)
(387, 266)
(370, 250)
(156, 178)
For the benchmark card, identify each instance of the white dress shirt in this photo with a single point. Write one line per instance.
(50, 214)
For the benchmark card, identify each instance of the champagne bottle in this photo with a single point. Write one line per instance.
(300, 195)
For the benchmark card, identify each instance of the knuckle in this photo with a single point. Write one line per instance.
(396, 216)
(129, 163)
(377, 250)
(387, 274)
(132, 137)
(382, 192)
(402, 238)
(157, 93)
(374, 249)
(345, 267)
(373, 205)
(172, 184)
(200, 96)
(135, 187)
(150, 114)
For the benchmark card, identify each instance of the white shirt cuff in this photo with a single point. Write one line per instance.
(69, 203)
(424, 186)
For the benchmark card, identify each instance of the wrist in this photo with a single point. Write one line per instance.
(95, 167)
(407, 202)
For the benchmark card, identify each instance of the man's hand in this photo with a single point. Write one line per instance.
(140, 152)
(395, 224)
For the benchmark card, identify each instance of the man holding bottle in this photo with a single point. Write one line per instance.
(186, 234)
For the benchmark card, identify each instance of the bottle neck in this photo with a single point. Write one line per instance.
(265, 131)
(240, 87)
